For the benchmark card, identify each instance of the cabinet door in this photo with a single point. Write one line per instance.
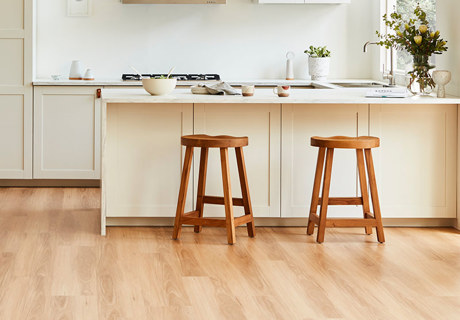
(16, 89)
(416, 162)
(261, 124)
(143, 159)
(300, 123)
(66, 133)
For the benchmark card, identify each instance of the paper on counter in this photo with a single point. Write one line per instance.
(388, 93)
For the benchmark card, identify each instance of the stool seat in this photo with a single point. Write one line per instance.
(341, 142)
(205, 141)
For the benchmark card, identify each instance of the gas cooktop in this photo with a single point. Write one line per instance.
(179, 77)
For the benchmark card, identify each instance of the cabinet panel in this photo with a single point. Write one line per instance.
(143, 159)
(15, 158)
(416, 163)
(12, 62)
(301, 122)
(261, 124)
(66, 133)
(11, 14)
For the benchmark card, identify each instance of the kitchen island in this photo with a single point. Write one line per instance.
(416, 164)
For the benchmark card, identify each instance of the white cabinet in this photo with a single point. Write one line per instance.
(261, 124)
(299, 123)
(16, 89)
(66, 133)
(303, 1)
(416, 162)
(143, 157)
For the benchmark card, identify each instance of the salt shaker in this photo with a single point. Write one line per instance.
(290, 65)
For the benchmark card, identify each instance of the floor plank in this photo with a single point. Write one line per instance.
(55, 265)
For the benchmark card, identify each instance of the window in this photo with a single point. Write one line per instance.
(403, 61)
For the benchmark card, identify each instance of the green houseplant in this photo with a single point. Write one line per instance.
(417, 38)
(318, 62)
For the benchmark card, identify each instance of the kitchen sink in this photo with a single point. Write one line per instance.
(360, 84)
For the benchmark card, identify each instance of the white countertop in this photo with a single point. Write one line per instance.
(314, 96)
(120, 82)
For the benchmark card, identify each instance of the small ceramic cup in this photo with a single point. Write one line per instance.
(282, 91)
(247, 91)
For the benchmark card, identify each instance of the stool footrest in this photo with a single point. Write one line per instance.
(221, 201)
(191, 219)
(345, 222)
(343, 201)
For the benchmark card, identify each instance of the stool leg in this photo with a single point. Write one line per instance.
(363, 187)
(325, 195)
(183, 192)
(375, 197)
(201, 185)
(316, 188)
(245, 190)
(227, 196)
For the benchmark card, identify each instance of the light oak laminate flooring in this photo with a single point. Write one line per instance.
(55, 265)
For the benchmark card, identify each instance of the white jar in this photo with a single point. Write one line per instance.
(76, 70)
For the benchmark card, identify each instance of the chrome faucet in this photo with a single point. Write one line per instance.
(386, 75)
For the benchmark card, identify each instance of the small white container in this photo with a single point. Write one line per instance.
(247, 90)
(159, 87)
(88, 75)
(76, 70)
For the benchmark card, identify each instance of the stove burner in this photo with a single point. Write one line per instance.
(179, 77)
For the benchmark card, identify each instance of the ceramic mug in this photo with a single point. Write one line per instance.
(247, 91)
(282, 91)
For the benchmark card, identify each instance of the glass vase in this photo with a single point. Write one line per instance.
(421, 82)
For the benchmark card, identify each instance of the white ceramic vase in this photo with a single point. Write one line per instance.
(441, 78)
(318, 68)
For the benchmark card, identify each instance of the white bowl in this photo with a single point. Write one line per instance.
(159, 87)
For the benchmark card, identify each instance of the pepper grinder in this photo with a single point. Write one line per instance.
(290, 65)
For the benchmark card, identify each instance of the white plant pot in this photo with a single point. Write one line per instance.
(318, 68)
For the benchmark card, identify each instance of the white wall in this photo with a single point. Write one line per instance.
(448, 23)
(238, 40)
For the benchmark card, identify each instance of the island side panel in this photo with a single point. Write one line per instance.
(142, 158)
(299, 123)
(103, 175)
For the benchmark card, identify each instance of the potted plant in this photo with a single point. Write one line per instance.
(318, 62)
(417, 38)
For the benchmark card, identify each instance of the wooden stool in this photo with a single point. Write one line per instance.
(370, 220)
(196, 217)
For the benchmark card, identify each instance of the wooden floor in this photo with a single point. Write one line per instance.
(54, 265)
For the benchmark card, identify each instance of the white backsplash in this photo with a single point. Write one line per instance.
(239, 40)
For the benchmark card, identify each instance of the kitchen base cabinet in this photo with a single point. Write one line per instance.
(416, 162)
(299, 123)
(66, 133)
(142, 159)
(261, 124)
(16, 89)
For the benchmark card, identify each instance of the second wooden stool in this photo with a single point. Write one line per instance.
(195, 218)
(370, 220)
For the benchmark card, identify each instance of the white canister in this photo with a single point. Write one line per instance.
(76, 70)
(88, 75)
